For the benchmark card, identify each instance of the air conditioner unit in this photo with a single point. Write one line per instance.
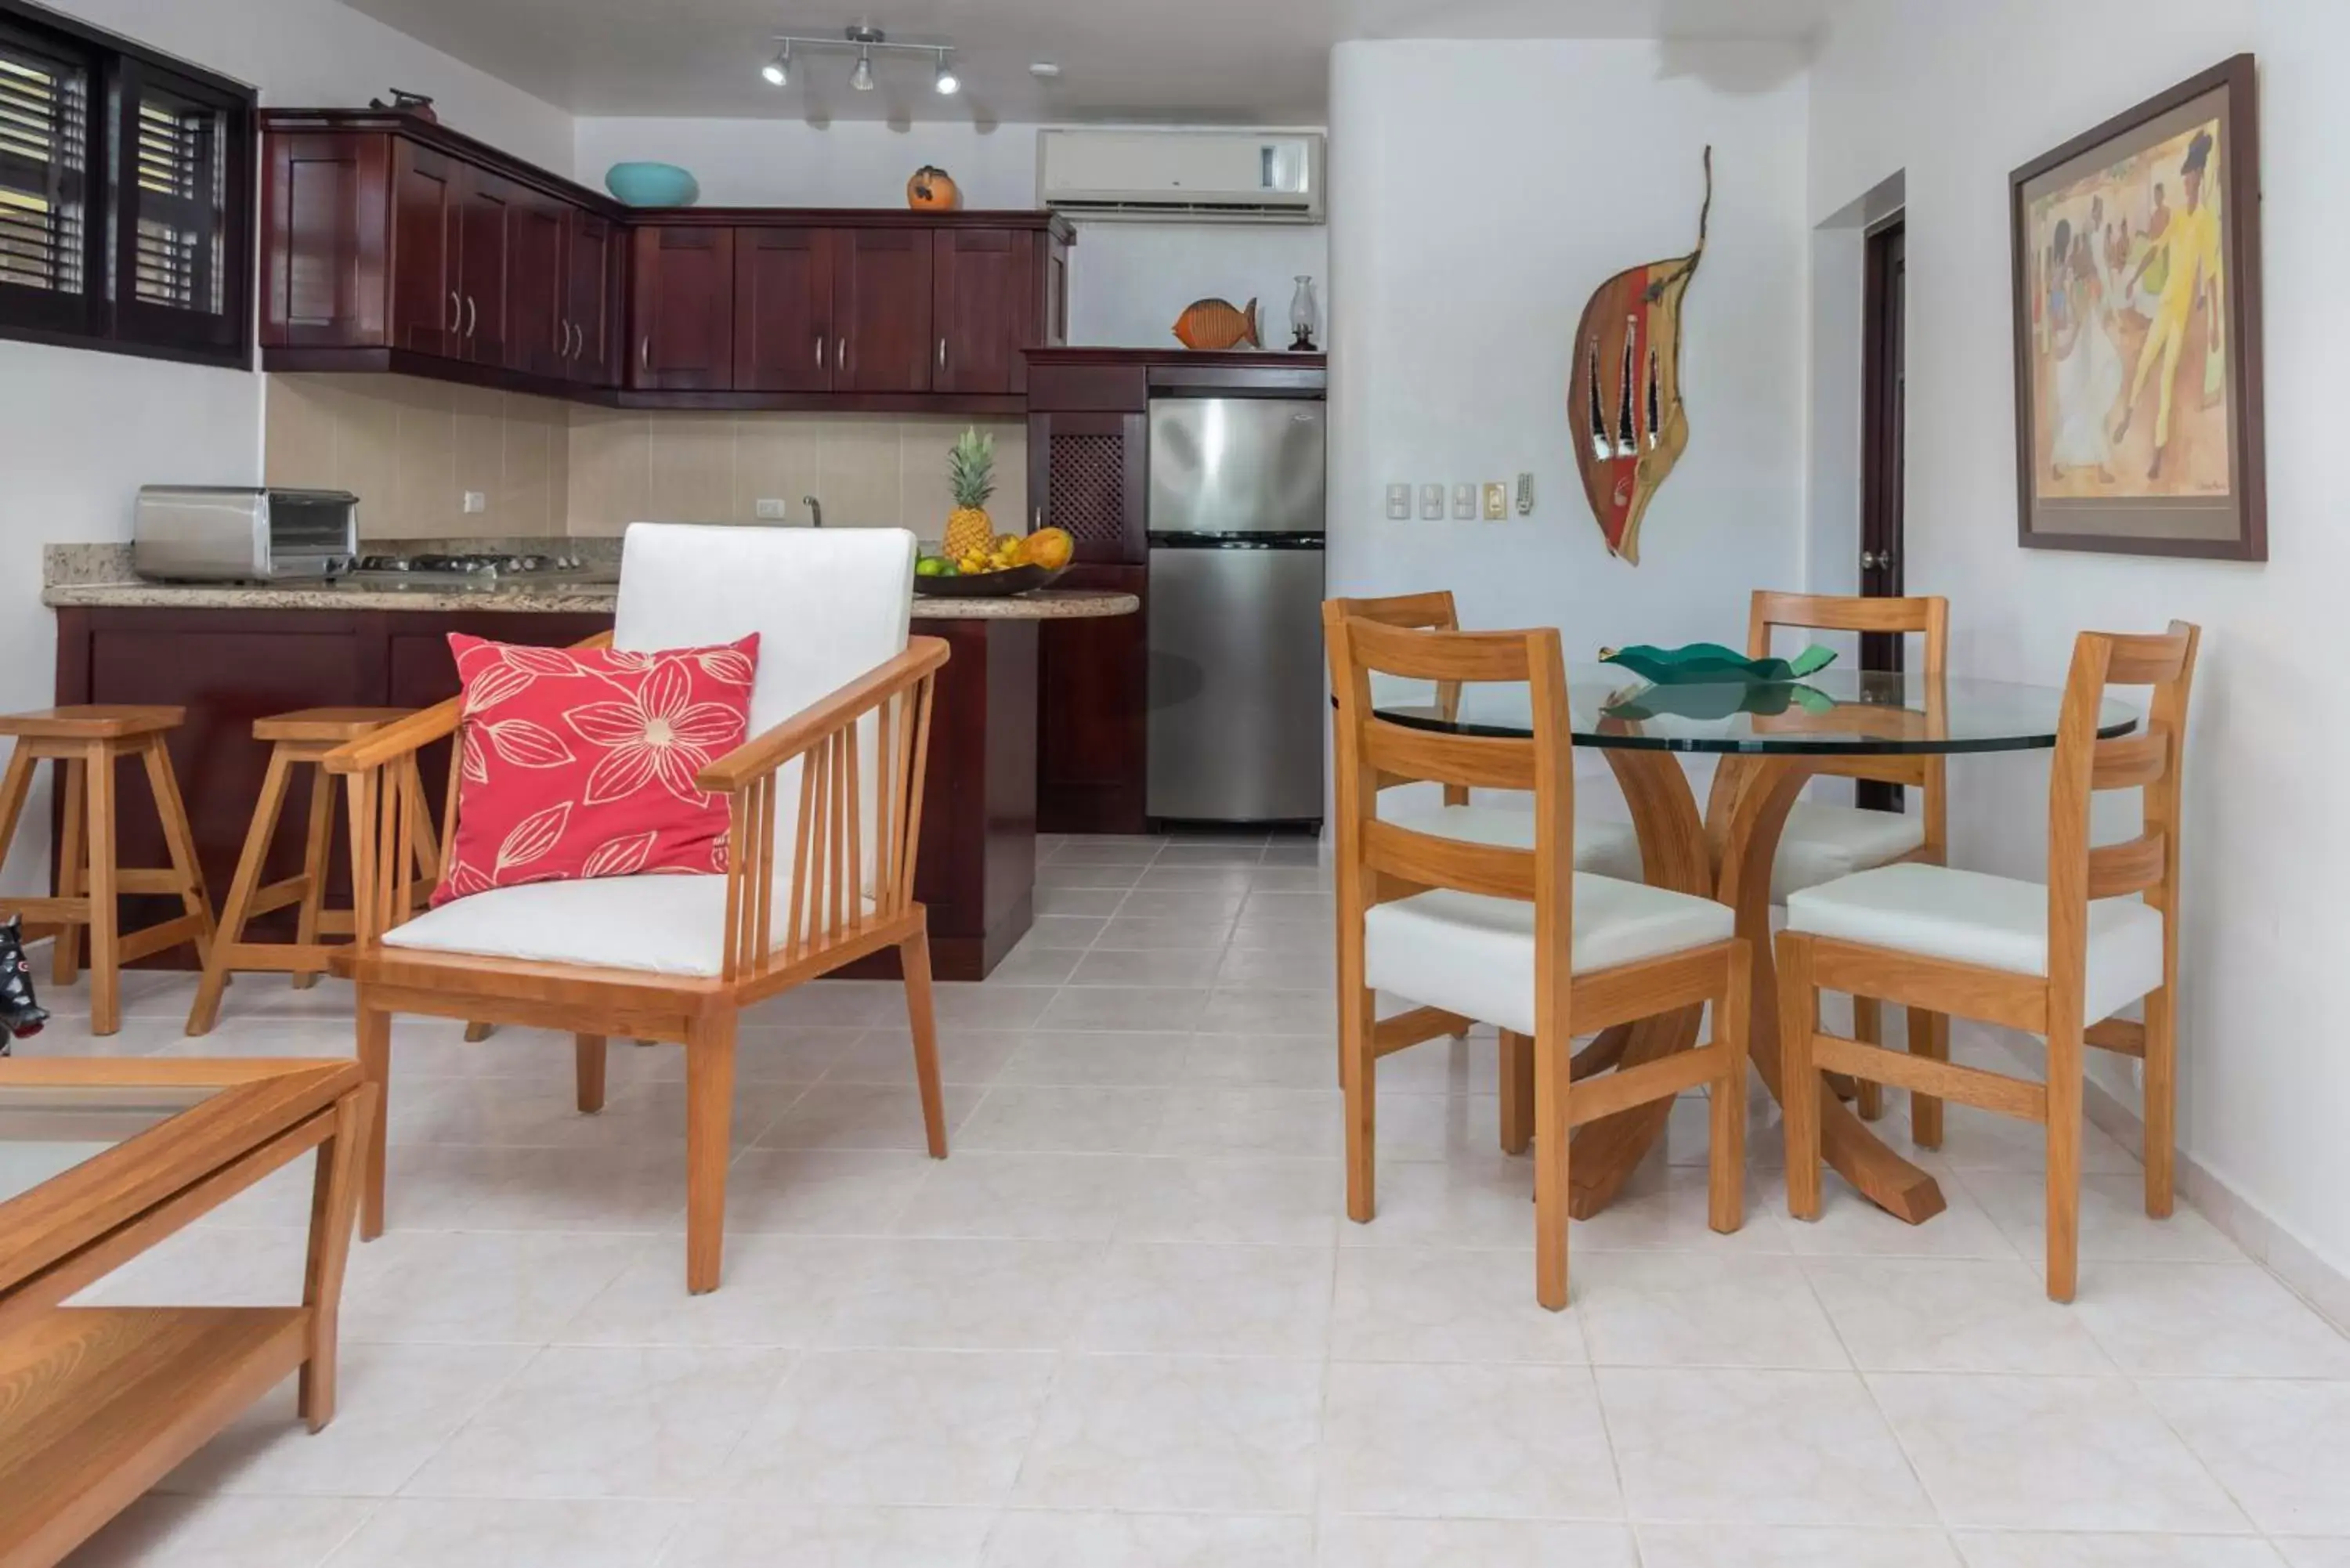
(1266, 177)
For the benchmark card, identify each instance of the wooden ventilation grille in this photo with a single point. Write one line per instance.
(181, 197)
(1088, 488)
(44, 169)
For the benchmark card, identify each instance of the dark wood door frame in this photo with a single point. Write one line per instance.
(1883, 372)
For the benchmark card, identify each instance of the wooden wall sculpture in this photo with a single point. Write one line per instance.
(1624, 398)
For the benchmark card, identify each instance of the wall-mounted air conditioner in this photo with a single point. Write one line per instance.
(1227, 176)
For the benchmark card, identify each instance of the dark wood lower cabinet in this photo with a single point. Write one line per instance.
(1091, 723)
(229, 667)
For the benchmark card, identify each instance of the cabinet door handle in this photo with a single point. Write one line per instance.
(645, 353)
(943, 353)
(456, 311)
(841, 358)
(472, 316)
(819, 351)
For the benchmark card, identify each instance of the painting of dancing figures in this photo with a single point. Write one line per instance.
(2137, 352)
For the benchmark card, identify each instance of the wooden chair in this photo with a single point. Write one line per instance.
(300, 739)
(1512, 935)
(825, 803)
(87, 743)
(2058, 961)
(1823, 841)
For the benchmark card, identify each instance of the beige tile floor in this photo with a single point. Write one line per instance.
(1126, 1325)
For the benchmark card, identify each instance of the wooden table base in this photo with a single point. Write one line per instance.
(1727, 855)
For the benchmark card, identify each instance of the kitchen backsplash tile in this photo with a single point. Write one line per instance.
(411, 449)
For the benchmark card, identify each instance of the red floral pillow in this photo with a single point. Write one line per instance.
(575, 763)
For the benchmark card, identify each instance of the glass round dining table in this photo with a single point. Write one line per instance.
(1771, 741)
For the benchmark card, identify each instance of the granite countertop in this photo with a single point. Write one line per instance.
(92, 576)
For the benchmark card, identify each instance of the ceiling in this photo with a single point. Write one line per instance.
(1234, 61)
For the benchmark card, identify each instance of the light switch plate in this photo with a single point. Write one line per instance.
(1464, 503)
(1497, 502)
(476, 501)
(1398, 503)
(1525, 494)
(771, 510)
(1432, 503)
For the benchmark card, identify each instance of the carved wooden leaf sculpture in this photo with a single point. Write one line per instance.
(1624, 398)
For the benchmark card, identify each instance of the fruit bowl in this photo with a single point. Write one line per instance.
(987, 585)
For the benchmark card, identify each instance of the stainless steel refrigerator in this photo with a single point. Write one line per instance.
(1235, 524)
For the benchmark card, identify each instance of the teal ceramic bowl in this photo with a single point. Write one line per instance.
(652, 184)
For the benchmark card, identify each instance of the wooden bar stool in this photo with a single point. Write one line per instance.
(87, 743)
(298, 739)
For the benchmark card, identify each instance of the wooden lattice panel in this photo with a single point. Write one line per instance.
(1088, 488)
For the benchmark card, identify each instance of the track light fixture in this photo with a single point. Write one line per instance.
(865, 41)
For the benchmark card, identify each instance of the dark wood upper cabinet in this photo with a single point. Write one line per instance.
(427, 307)
(591, 298)
(331, 290)
(684, 319)
(538, 332)
(783, 310)
(984, 308)
(881, 309)
(487, 238)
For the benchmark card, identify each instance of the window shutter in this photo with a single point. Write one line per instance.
(44, 171)
(179, 198)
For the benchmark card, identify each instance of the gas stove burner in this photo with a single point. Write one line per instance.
(470, 565)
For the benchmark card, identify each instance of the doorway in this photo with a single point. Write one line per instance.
(1884, 355)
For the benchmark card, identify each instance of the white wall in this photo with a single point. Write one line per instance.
(1479, 191)
(80, 431)
(1127, 282)
(1958, 95)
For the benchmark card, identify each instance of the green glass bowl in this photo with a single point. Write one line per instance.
(1710, 664)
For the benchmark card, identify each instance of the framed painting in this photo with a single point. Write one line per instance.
(2138, 330)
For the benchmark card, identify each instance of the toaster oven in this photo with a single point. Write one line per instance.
(190, 532)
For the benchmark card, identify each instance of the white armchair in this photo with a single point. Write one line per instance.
(824, 808)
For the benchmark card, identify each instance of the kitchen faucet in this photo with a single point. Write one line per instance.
(816, 510)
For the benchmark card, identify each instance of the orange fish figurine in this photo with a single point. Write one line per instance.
(1212, 324)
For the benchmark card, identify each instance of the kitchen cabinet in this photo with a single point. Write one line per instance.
(783, 310)
(391, 244)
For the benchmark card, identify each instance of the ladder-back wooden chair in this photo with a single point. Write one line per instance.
(1824, 841)
(825, 805)
(1510, 935)
(2058, 961)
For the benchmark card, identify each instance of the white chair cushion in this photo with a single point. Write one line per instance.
(1996, 922)
(669, 925)
(1475, 956)
(1603, 846)
(1824, 842)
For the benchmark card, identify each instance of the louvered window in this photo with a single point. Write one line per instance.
(44, 175)
(125, 194)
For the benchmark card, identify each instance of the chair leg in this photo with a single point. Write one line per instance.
(589, 1051)
(180, 839)
(476, 1033)
(104, 915)
(1799, 1017)
(1868, 1028)
(1554, 1141)
(921, 1022)
(72, 855)
(317, 844)
(1726, 1154)
(375, 1060)
(334, 1194)
(205, 1013)
(1357, 1007)
(2065, 1047)
(1517, 1052)
(14, 787)
(1930, 1036)
(2161, 1099)
(708, 1145)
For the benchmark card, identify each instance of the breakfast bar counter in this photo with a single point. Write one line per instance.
(231, 653)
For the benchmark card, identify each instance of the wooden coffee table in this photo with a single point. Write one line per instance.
(99, 1160)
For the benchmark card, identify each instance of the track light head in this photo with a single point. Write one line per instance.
(862, 79)
(947, 83)
(778, 72)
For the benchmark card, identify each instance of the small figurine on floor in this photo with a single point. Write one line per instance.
(20, 1015)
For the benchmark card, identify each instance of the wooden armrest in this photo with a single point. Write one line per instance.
(762, 755)
(416, 732)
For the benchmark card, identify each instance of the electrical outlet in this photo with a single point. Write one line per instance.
(1497, 502)
(1464, 503)
(476, 501)
(770, 510)
(1432, 503)
(1398, 503)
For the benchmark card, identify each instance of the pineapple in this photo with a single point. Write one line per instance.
(971, 466)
